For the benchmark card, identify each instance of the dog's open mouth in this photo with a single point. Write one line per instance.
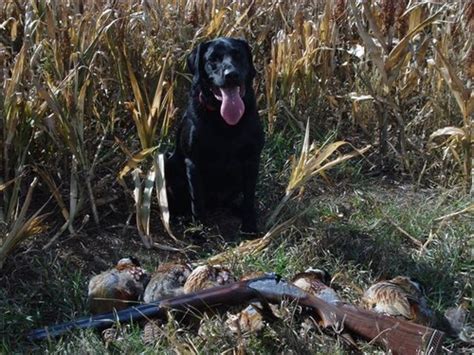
(232, 106)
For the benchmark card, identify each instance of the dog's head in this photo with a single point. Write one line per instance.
(223, 70)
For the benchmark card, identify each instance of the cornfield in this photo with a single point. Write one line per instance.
(91, 91)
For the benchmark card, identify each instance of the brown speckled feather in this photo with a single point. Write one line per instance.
(249, 320)
(113, 288)
(315, 282)
(398, 297)
(207, 276)
(167, 281)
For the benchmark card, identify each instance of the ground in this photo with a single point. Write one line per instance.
(357, 228)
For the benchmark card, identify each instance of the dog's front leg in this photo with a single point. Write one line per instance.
(194, 188)
(249, 215)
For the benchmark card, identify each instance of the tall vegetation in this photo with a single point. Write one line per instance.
(90, 90)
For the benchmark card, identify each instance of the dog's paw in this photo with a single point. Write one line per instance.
(249, 230)
(249, 223)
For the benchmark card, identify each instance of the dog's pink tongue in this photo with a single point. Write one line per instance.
(232, 107)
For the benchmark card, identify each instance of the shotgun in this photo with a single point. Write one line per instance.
(399, 336)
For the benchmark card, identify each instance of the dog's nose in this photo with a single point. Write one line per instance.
(231, 76)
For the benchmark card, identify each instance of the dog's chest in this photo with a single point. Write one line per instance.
(221, 165)
(225, 150)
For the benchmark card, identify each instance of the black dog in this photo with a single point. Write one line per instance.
(220, 138)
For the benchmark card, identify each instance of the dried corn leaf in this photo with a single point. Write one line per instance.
(309, 164)
(135, 161)
(158, 106)
(358, 98)
(17, 71)
(448, 131)
(159, 167)
(138, 116)
(461, 94)
(142, 214)
(375, 52)
(4, 185)
(22, 227)
(396, 57)
(145, 208)
(215, 26)
(73, 194)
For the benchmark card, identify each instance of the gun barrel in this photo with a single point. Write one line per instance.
(101, 321)
(224, 296)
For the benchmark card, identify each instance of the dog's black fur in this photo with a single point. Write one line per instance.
(217, 154)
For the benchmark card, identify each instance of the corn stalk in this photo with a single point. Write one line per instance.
(148, 118)
(65, 97)
(390, 63)
(465, 100)
(17, 132)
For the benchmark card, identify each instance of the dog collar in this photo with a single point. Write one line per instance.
(205, 104)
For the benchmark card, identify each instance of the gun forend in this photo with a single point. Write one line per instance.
(400, 336)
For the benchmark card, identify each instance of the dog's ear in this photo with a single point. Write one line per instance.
(194, 58)
(252, 71)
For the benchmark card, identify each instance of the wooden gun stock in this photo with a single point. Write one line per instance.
(400, 336)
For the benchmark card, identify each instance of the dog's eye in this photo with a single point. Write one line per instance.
(213, 58)
(236, 54)
(211, 65)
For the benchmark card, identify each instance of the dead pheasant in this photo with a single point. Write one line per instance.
(167, 281)
(250, 319)
(117, 288)
(316, 282)
(203, 277)
(399, 297)
(207, 276)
